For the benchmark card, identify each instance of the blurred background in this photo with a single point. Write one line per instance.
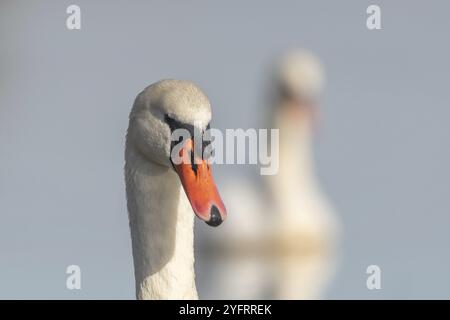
(380, 150)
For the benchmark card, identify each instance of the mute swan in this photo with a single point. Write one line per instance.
(305, 229)
(287, 254)
(160, 212)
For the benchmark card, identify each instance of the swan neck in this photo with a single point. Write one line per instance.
(161, 224)
(296, 157)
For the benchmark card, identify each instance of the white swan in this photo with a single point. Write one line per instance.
(280, 243)
(160, 213)
(305, 228)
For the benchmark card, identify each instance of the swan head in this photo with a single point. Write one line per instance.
(300, 79)
(164, 121)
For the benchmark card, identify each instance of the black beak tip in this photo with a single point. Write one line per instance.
(215, 218)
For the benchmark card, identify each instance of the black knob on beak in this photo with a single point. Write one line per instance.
(215, 217)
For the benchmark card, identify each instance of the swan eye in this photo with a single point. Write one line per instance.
(199, 150)
(284, 92)
(173, 124)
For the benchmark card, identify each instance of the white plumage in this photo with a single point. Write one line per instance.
(161, 218)
(282, 233)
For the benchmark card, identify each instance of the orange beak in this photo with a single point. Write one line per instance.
(198, 183)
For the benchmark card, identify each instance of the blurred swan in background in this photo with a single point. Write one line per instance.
(305, 227)
(281, 240)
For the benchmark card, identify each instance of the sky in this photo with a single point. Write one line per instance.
(382, 151)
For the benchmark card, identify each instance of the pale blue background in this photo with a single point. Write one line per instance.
(382, 151)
